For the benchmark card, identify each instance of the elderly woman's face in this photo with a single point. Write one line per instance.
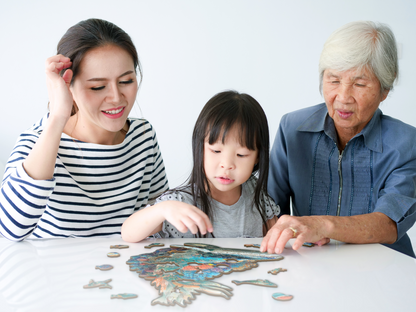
(352, 97)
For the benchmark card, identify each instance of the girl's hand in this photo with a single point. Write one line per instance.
(184, 216)
(309, 229)
(60, 96)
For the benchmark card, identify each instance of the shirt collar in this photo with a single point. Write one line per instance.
(321, 121)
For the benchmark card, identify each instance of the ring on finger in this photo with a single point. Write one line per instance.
(294, 231)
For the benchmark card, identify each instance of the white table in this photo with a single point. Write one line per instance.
(48, 275)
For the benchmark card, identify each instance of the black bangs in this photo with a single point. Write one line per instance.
(235, 111)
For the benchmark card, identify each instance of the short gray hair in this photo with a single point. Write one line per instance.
(359, 45)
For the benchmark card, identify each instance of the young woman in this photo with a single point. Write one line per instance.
(84, 167)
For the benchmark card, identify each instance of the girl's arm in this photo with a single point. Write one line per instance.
(40, 163)
(149, 220)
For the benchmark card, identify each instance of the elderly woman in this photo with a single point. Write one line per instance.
(349, 170)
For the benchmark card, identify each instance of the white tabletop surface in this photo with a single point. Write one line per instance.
(48, 275)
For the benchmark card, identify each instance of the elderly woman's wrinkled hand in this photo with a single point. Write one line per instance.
(309, 229)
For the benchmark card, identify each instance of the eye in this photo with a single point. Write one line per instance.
(360, 85)
(97, 88)
(215, 151)
(241, 155)
(127, 81)
(335, 82)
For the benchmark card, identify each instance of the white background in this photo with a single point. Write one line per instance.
(191, 50)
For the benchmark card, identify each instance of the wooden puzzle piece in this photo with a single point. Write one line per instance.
(113, 254)
(124, 296)
(308, 244)
(101, 285)
(119, 246)
(154, 245)
(275, 271)
(252, 245)
(182, 272)
(282, 297)
(104, 267)
(257, 282)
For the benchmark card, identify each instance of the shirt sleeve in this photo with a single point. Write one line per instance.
(278, 182)
(159, 183)
(22, 199)
(168, 230)
(397, 199)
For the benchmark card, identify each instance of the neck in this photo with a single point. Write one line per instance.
(227, 198)
(78, 130)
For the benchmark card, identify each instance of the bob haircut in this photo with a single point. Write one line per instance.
(359, 45)
(90, 34)
(220, 114)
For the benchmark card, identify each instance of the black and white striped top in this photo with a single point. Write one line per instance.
(94, 188)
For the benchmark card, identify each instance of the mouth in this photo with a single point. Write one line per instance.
(114, 113)
(225, 180)
(344, 114)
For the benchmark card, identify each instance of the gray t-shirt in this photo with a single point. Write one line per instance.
(239, 220)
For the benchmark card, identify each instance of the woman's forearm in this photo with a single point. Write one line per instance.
(40, 163)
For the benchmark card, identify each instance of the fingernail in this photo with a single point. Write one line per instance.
(277, 251)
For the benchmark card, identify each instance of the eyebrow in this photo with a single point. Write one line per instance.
(353, 78)
(103, 79)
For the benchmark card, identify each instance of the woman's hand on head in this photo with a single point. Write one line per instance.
(309, 229)
(186, 217)
(60, 96)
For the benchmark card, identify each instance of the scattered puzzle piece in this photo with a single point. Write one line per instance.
(101, 285)
(124, 296)
(275, 271)
(308, 244)
(113, 254)
(119, 246)
(257, 282)
(252, 245)
(104, 267)
(182, 272)
(282, 297)
(154, 245)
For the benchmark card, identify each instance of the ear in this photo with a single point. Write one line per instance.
(384, 95)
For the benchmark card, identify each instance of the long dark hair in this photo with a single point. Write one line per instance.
(220, 114)
(90, 34)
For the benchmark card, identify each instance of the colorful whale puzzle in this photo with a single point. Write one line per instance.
(181, 272)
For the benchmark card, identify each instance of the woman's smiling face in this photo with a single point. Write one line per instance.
(104, 91)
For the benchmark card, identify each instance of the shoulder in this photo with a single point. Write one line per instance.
(301, 115)
(397, 134)
(181, 194)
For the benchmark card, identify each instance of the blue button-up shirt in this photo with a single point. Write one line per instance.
(376, 171)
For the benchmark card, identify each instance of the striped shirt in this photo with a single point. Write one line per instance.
(94, 189)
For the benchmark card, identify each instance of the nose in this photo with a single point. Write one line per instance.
(344, 93)
(114, 94)
(227, 163)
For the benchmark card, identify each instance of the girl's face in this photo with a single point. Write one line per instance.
(104, 91)
(227, 166)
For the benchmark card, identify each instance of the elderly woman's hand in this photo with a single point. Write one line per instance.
(309, 229)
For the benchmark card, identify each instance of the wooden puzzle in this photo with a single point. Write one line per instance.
(119, 246)
(124, 296)
(282, 297)
(104, 267)
(181, 272)
(257, 282)
(275, 271)
(154, 245)
(101, 285)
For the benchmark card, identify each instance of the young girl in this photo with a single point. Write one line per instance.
(226, 195)
(85, 167)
